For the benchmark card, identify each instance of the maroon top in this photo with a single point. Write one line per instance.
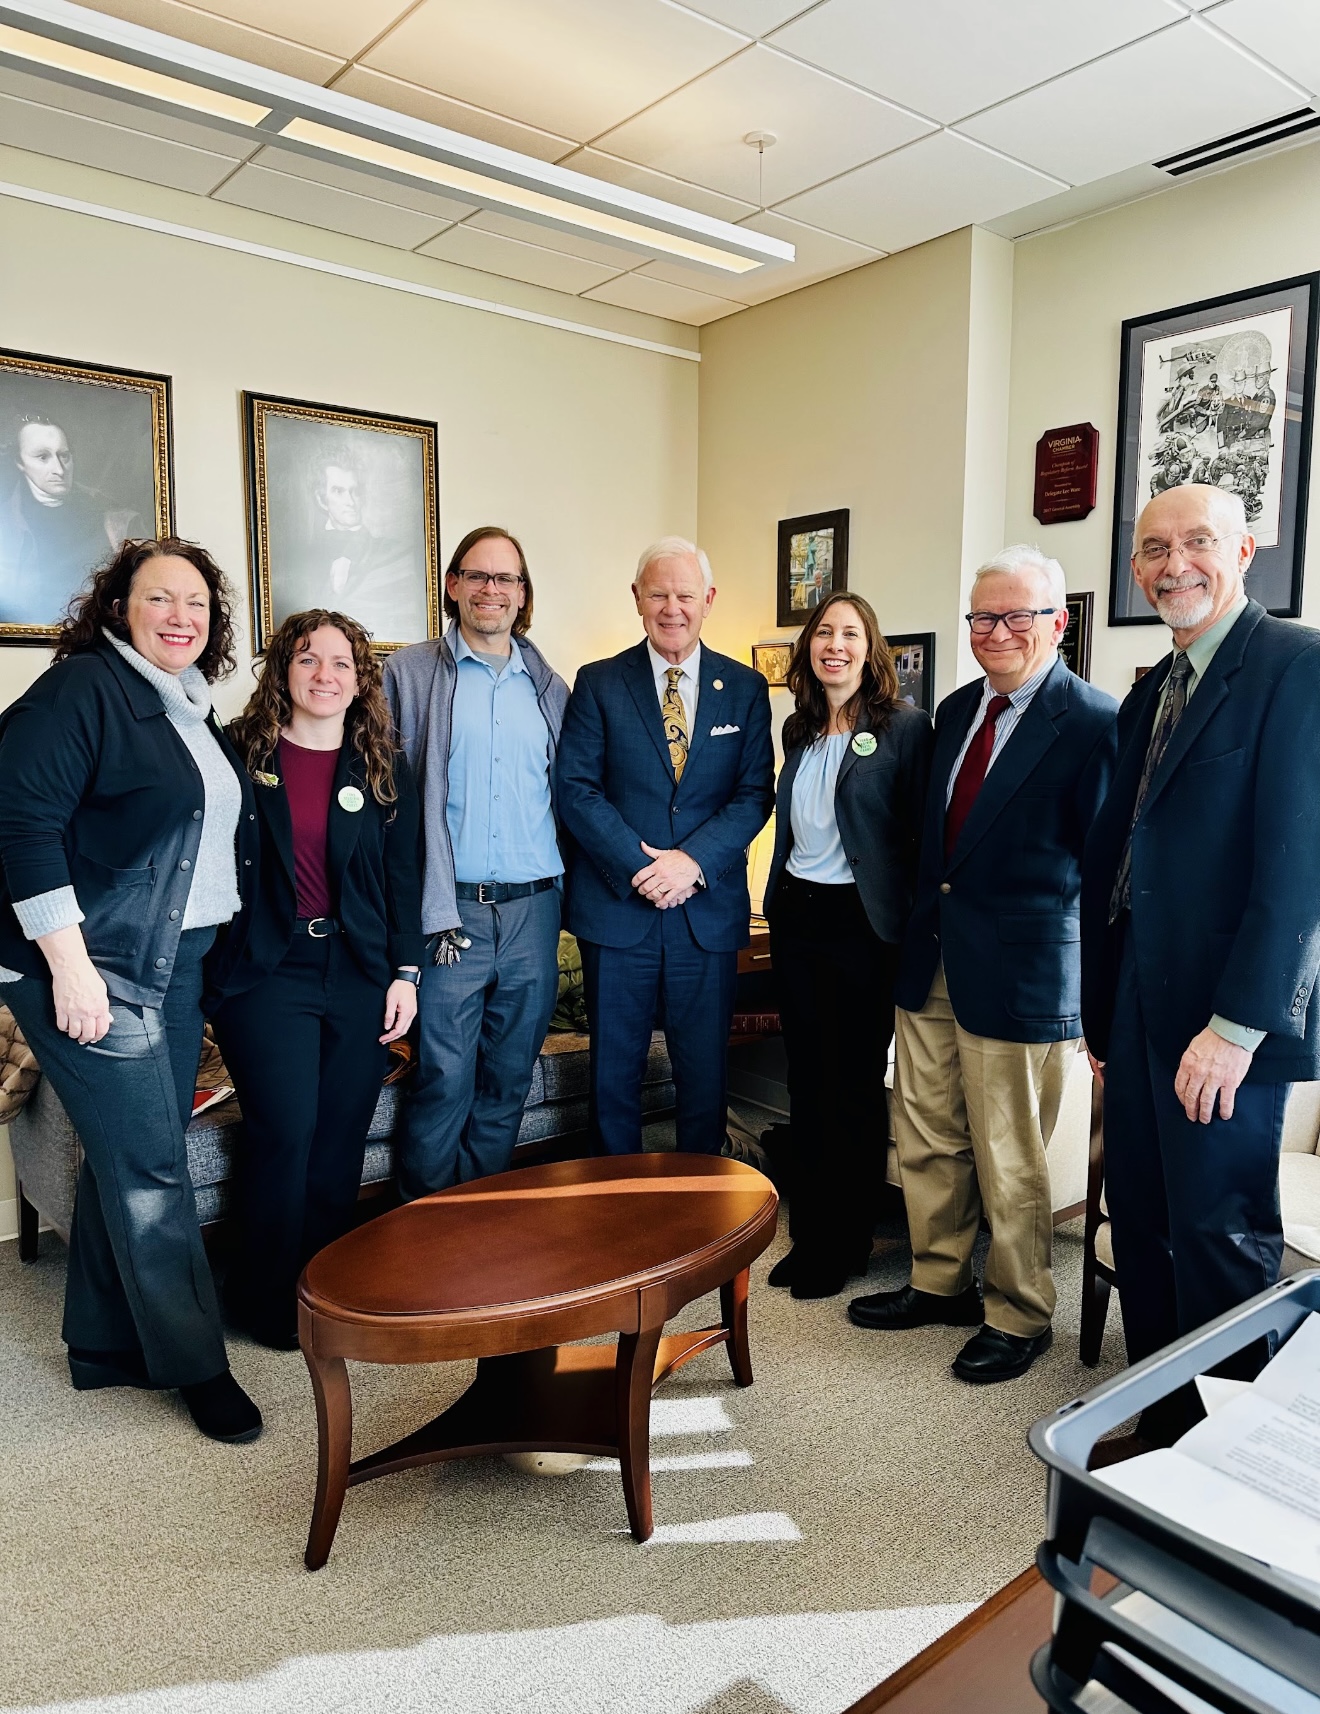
(308, 778)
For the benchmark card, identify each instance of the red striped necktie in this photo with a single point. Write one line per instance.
(971, 776)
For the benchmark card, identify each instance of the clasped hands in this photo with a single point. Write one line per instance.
(671, 879)
(1211, 1067)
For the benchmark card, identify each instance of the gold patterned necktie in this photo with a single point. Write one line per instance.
(675, 719)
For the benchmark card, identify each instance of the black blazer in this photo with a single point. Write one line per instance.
(1003, 912)
(373, 863)
(1225, 900)
(878, 804)
(99, 792)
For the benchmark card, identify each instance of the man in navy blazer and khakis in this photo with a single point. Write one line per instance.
(666, 775)
(989, 988)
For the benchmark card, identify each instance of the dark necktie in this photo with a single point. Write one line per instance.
(1171, 712)
(971, 776)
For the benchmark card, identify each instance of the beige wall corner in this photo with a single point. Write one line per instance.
(985, 452)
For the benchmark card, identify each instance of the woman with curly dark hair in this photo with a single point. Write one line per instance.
(121, 807)
(331, 951)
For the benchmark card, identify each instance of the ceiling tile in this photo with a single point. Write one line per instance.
(709, 282)
(658, 297)
(752, 17)
(48, 92)
(1119, 111)
(934, 186)
(436, 109)
(342, 27)
(516, 261)
(823, 127)
(1111, 191)
(1285, 32)
(633, 177)
(321, 205)
(361, 182)
(819, 254)
(615, 257)
(573, 68)
(948, 58)
(70, 137)
(225, 37)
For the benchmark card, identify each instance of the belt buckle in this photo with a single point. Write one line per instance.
(312, 931)
(481, 892)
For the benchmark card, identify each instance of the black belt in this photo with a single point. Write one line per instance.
(500, 892)
(318, 927)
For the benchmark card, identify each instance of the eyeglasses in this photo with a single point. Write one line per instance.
(507, 580)
(1019, 620)
(1155, 554)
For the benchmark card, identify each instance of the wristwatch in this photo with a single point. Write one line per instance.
(413, 976)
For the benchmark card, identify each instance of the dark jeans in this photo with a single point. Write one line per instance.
(302, 1049)
(666, 979)
(835, 981)
(138, 1277)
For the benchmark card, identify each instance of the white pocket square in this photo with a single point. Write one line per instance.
(723, 731)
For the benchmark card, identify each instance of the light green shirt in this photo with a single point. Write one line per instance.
(1200, 653)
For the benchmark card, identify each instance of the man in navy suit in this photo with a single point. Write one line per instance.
(989, 989)
(666, 775)
(1201, 937)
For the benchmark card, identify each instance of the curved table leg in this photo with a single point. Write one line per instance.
(634, 1371)
(334, 1429)
(733, 1312)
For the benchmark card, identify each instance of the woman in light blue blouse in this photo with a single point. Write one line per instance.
(847, 828)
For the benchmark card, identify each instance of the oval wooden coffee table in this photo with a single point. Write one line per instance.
(509, 1270)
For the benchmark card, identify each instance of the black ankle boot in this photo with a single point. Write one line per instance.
(221, 1409)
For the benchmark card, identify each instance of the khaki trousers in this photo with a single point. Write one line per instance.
(972, 1118)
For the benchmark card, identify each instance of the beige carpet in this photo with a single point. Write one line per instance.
(813, 1531)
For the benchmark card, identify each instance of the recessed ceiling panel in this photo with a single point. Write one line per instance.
(948, 58)
(573, 68)
(516, 261)
(321, 205)
(630, 176)
(752, 17)
(932, 187)
(70, 137)
(209, 31)
(615, 257)
(822, 127)
(342, 27)
(658, 297)
(1170, 92)
(1285, 32)
(453, 115)
(819, 255)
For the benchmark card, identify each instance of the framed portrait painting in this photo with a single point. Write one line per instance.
(771, 661)
(342, 514)
(85, 461)
(914, 661)
(1221, 392)
(1076, 644)
(813, 563)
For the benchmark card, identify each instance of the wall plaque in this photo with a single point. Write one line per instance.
(1067, 460)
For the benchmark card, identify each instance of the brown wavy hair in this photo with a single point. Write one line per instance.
(875, 698)
(523, 623)
(101, 606)
(369, 722)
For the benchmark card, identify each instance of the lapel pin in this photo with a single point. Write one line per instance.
(267, 779)
(864, 744)
(718, 684)
(351, 799)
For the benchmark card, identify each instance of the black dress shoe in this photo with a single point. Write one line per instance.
(820, 1279)
(994, 1356)
(90, 1370)
(221, 1409)
(909, 1307)
(782, 1272)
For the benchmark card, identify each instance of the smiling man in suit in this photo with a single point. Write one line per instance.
(666, 775)
(989, 989)
(1201, 937)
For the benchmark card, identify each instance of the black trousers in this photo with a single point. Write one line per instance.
(835, 980)
(302, 1049)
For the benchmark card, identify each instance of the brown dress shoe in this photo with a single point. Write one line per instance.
(1117, 1451)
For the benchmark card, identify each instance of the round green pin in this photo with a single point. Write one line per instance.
(350, 798)
(864, 744)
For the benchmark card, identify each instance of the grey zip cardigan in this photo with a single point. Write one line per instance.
(419, 684)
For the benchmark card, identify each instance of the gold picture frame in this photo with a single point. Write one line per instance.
(86, 460)
(771, 661)
(343, 514)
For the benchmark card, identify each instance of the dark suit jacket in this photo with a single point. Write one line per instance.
(1003, 912)
(878, 804)
(616, 789)
(1225, 897)
(373, 862)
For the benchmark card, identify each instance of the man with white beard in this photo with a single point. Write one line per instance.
(1201, 937)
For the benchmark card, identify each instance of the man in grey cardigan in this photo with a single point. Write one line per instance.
(479, 713)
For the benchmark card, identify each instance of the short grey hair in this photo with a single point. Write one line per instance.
(674, 547)
(1023, 557)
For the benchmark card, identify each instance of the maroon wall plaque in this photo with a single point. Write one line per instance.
(1067, 461)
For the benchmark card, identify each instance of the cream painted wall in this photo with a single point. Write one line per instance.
(585, 449)
(1072, 291)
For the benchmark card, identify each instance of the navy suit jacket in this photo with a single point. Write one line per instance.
(1225, 896)
(616, 789)
(1003, 912)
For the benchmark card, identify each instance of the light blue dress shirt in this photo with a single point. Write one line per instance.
(498, 807)
(817, 851)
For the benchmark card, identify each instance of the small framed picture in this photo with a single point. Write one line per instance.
(1076, 644)
(342, 514)
(1222, 392)
(813, 563)
(914, 659)
(771, 661)
(85, 462)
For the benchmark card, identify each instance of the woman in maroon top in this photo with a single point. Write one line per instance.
(324, 966)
